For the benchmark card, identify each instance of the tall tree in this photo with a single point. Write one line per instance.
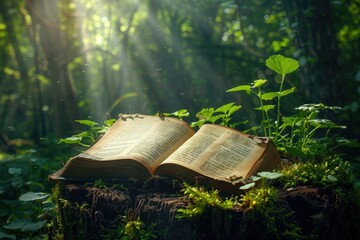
(64, 102)
(315, 39)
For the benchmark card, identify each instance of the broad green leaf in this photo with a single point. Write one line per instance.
(270, 175)
(247, 186)
(30, 227)
(32, 196)
(17, 224)
(269, 96)
(246, 88)
(225, 108)
(205, 113)
(282, 65)
(259, 82)
(86, 122)
(265, 108)
(234, 109)
(287, 91)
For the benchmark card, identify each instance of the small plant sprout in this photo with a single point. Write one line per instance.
(222, 113)
(88, 137)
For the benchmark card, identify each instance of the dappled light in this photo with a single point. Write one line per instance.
(283, 74)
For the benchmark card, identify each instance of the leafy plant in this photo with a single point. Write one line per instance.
(132, 229)
(282, 66)
(89, 136)
(293, 135)
(222, 114)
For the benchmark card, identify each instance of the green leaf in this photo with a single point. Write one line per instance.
(181, 113)
(7, 236)
(234, 109)
(30, 227)
(331, 178)
(259, 82)
(246, 88)
(324, 123)
(287, 91)
(215, 118)
(32, 196)
(86, 122)
(205, 113)
(282, 65)
(82, 134)
(17, 224)
(269, 96)
(71, 140)
(15, 171)
(265, 108)
(270, 175)
(347, 142)
(225, 108)
(109, 122)
(247, 186)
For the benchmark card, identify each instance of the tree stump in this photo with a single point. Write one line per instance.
(303, 212)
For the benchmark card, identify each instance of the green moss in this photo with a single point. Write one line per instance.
(330, 171)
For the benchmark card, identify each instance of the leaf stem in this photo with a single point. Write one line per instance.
(278, 107)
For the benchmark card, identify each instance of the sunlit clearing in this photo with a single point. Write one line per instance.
(130, 45)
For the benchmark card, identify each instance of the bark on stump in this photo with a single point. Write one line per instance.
(93, 213)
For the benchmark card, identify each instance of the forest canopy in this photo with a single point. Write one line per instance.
(64, 60)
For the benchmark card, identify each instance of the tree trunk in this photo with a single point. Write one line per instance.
(315, 39)
(45, 14)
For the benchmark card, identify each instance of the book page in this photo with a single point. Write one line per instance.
(219, 152)
(148, 139)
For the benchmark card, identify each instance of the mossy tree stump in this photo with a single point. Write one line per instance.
(303, 212)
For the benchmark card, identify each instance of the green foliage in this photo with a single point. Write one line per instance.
(27, 210)
(200, 200)
(259, 197)
(294, 135)
(331, 171)
(132, 230)
(179, 114)
(221, 115)
(89, 136)
(282, 65)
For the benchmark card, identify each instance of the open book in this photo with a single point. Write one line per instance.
(140, 146)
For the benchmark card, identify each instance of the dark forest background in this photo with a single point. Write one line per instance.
(63, 60)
